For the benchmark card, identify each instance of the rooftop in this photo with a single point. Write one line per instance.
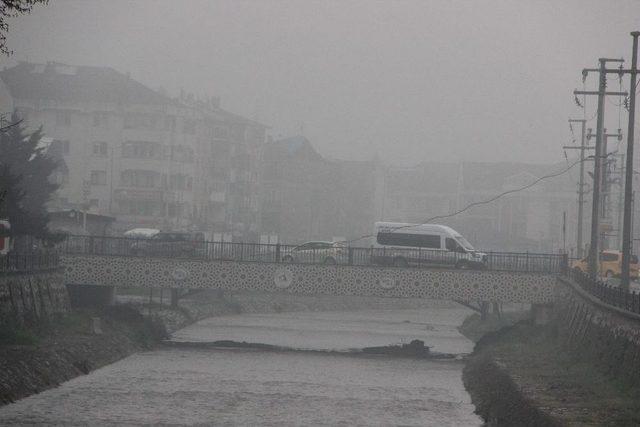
(61, 82)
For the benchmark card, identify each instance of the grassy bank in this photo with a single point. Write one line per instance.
(523, 375)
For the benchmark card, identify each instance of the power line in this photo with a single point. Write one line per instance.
(483, 202)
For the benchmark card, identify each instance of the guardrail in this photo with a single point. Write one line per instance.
(29, 261)
(256, 252)
(607, 293)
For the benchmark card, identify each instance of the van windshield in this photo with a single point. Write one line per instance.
(463, 242)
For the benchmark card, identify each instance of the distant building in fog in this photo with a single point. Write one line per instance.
(130, 152)
(525, 220)
(307, 197)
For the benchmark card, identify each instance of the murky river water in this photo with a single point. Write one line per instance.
(251, 387)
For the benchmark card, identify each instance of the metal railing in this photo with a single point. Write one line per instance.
(607, 293)
(343, 255)
(29, 261)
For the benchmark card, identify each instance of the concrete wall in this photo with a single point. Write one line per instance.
(609, 335)
(31, 297)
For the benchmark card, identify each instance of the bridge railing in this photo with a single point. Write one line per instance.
(606, 292)
(255, 252)
(29, 261)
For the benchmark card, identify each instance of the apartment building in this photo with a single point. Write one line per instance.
(305, 196)
(130, 152)
(228, 153)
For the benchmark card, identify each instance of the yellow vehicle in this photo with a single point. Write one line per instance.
(610, 264)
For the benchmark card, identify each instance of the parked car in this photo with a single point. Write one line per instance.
(141, 233)
(181, 244)
(316, 252)
(610, 264)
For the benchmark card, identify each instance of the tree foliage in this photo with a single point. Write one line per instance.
(25, 171)
(10, 9)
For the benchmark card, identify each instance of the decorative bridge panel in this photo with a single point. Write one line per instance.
(464, 285)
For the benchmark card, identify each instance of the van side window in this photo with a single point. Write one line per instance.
(451, 244)
(430, 241)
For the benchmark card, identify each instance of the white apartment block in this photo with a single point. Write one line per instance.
(130, 152)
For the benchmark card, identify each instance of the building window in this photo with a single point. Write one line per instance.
(63, 118)
(189, 127)
(140, 121)
(100, 149)
(181, 153)
(180, 182)
(175, 209)
(220, 132)
(100, 119)
(138, 207)
(60, 176)
(138, 178)
(141, 150)
(60, 146)
(98, 178)
(170, 123)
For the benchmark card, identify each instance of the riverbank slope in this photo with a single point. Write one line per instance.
(43, 356)
(525, 375)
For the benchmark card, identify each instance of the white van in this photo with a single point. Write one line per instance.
(402, 244)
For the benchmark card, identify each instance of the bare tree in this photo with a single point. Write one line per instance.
(10, 9)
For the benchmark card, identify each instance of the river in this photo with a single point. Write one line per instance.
(208, 386)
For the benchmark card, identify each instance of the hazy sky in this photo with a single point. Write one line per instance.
(408, 80)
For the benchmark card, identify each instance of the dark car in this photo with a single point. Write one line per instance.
(171, 244)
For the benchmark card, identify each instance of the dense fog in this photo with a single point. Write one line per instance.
(408, 81)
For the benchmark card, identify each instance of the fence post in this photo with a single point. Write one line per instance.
(278, 252)
(564, 268)
(350, 249)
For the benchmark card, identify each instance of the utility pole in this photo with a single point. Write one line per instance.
(606, 184)
(628, 182)
(564, 232)
(594, 247)
(620, 166)
(606, 169)
(582, 148)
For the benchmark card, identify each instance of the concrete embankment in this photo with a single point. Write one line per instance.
(33, 359)
(529, 375)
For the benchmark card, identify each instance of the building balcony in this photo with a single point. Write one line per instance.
(148, 194)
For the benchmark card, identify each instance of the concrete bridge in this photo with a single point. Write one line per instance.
(527, 278)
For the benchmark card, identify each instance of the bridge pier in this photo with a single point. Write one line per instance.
(541, 313)
(91, 295)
